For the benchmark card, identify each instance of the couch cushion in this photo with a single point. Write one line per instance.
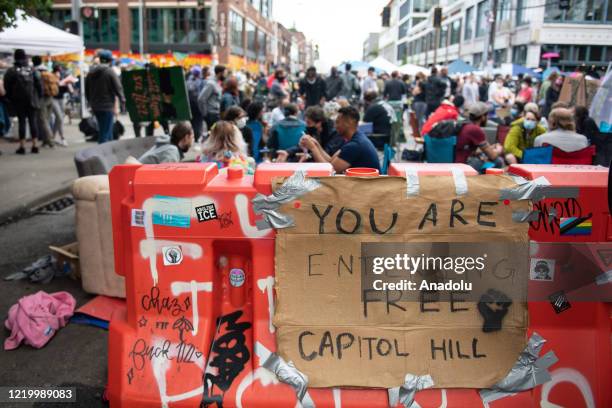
(100, 159)
(87, 188)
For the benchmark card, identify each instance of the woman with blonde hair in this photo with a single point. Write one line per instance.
(226, 147)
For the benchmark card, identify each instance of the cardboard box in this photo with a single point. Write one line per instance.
(68, 259)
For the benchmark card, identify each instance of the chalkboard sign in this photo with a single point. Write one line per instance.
(155, 94)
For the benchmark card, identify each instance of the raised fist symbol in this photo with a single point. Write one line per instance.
(493, 306)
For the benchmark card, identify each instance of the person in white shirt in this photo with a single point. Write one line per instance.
(562, 132)
(369, 82)
(470, 90)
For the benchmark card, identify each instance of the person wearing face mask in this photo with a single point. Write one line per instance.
(209, 100)
(522, 135)
(525, 94)
(170, 149)
(312, 88)
(239, 117)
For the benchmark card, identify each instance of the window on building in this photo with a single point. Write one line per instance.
(251, 39)
(519, 54)
(500, 56)
(403, 29)
(256, 4)
(580, 52)
(402, 53)
(417, 20)
(595, 53)
(431, 41)
(58, 18)
(455, 33)
(161, 25)
(580, 10)
(503, 11)
(608, 53)
(482, 21)
(442, 41)
(478, 59)
(469, 23)
(236, 24)
(404, 9)
(522, 14)
(103, 30)
(265, 8)
(419, 6)
(261, 43)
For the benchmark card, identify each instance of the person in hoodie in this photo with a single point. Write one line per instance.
(170, 149)
(102, 88)
(334, 84)
(312, 88)
(446, 111)
(522, 134)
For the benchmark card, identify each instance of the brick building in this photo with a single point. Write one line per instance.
(241, 32)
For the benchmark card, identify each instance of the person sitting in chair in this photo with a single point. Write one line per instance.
(562, 132)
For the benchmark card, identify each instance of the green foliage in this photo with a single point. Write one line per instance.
(8, 10)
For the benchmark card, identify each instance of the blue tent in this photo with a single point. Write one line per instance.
(460, 67)
(359, 66)
(519, 69)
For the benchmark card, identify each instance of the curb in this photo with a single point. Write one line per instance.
(16, 212)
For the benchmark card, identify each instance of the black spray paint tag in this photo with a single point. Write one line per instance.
(206, 212)
(559, 302)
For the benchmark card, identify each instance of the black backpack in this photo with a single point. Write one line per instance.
(24, 91)
(447, 128)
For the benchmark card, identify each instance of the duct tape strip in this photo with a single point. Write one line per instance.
(529, 371)
(295, 186)
(405, 393)
(287, 373)
(525, 216)
(412, 182)
(461, 186)
(536, 190)
(604, 278)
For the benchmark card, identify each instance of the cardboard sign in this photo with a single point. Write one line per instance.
(339, 335)
(155, 94)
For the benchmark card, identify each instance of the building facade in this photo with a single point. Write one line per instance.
(237, 33)
(525, 30)
(370, 47)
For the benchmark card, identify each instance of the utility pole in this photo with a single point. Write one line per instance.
(141, 28)
(75, 12)
(490, 45)
(436, 43)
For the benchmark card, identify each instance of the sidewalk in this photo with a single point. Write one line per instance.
(30, 180)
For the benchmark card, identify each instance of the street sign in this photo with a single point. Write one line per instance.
(155, 94)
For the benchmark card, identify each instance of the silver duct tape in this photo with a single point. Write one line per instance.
(461, 186)
(552, 214)
(288, 374)
(294, 187)
(529, 371)
(412, 182)
(525, 216)
(536, 190)
(405, 393)
(604, 278)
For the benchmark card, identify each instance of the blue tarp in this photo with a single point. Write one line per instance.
(460, 67)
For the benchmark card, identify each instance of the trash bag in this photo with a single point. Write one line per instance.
(89, 126)
(43, 270)
(118, 130)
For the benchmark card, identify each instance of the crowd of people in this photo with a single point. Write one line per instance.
(244, 119)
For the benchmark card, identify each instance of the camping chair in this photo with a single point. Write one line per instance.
(257, 130)
(387, 157)
(538, 155)
(440, 150)
(583, 156)
(502, 133)
(414, 125)
(288, 136)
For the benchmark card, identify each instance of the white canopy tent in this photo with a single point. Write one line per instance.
(38, 38)
(411, 69)
(381, 63)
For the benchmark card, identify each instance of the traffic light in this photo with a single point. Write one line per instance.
(437, 17)
(89, 12)
(72, 27)
(564, 4)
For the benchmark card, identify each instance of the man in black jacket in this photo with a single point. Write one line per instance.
(434, 91)
(334, 84)
(102, 87)
(395, 88)
(312, 88)
(23, 91)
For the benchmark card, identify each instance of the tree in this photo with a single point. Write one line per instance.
(8, 10)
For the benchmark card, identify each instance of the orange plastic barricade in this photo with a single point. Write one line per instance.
(199, 269)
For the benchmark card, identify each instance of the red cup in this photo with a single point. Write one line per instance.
(361, 172)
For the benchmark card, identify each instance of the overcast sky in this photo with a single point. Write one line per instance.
(339, 27)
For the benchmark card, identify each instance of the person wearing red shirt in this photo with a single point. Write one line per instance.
(472, 137)
(526, 92)
(446, 111)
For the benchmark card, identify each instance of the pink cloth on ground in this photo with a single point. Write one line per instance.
(34, 319)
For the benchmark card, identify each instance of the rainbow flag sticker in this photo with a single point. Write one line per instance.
(576, 225)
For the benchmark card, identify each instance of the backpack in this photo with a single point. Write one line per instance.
(23, 92)
(194, 87)
(50, 83)
(447, 128)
